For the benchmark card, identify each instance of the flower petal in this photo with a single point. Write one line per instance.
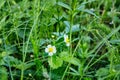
(49, 46)
(65, 38)
(50, 50)
(65, 35)
(50, 54)
(67, 44)
(46, 50)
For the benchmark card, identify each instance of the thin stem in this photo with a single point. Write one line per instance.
(70, 49)
(30, 34)
(65, 71)
(71, 34)
(22, 73)
(8, 62)
(10, 70)
(73, 5)
(50, 69)
(98, 47)
(58, 18)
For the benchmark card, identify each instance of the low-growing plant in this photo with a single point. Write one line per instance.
(59, 40)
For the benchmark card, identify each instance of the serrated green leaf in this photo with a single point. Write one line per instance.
(102, 72)
(65, 56)
(90, 12)
(55, 62)
(115, 41)
(89, 1)
(24, 65)
(67, 24)
(75, 27)
(80, 7)
(11, 60)
(64, 5)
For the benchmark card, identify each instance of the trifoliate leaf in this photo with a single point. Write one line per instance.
(102, 72)
(65, 56)
(24, 65)
(75, 28)
(55, 62)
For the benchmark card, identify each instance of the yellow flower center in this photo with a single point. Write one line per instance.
(67, 40)
(50, 49)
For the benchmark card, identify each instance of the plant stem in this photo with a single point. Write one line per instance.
(22, 73)
(73, 5)
(58, 18)
(50, 68)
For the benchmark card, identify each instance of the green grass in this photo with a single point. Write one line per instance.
(27, 27)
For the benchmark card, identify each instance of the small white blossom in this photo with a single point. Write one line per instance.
(30, 74)
(66, 40)
(31, 56)
(53, 36)
(50, 50)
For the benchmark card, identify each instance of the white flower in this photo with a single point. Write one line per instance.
(30, 74)
(53, 36)
(50, 50)
(31, 56)
(66, 40)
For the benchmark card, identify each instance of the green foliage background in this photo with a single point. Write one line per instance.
(28, 26)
